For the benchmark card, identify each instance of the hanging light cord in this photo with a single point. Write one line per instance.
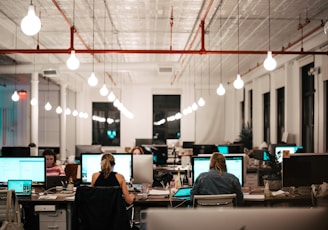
(238, 36)
(269, 26)
(93, 36)
(221, 44)
(105, 39)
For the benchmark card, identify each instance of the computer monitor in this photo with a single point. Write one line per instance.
(86, 149)
(305, 169)
(235, 165)
(172, 143)
(223, 149)
(23, 168)
(91, 163)
(261, 154)
(236, 148)
(204, 149)
(279, 150)
(144, 141)
(142, 169)
(15, 151)
(187, 144)
(53, 148)
(159, 153)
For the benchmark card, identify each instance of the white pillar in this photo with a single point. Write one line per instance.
(35, 110)
(63, 123)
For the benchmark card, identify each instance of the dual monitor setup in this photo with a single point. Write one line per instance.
(298, 169)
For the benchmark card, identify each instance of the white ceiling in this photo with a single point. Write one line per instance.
(139, 30)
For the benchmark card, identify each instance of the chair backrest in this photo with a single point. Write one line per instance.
(100, 208)
(220, 200)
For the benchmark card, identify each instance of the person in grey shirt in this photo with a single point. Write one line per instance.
(217, 180)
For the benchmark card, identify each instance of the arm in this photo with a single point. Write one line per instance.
(239, 193)
(94, 178)
(129, 198)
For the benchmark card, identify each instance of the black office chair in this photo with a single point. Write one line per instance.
(100, 208)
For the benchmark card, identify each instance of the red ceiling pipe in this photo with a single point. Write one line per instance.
(102, 51)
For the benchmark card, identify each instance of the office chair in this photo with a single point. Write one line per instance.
(100, 208)
(221, 200)
(10, 213)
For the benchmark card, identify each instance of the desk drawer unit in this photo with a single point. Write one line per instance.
(53, 220)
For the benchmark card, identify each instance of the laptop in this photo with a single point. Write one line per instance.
(53, 181)
(22, 188)
(183, 193)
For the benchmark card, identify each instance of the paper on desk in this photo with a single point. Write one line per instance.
(278, 193)
(48, 197)
(248, 196)
(158, 192)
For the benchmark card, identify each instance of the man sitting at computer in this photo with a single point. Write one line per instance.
(217, 180)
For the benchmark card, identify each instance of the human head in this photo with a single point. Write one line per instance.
(107, 163)
(218, 162)
(137, 150)
(50, 157)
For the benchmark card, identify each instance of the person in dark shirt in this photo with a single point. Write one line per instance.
(217, 180)
(107, 177)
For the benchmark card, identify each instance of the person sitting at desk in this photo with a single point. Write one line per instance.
(137, 150)
(107, 177)
(217, 180)
(51, 168)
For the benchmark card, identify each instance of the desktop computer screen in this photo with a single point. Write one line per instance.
(279, 150)
(159, 153)
(301, 170)
(23, 168)
(143, 169)
(235, 165)
(15, 151)
(91, 163)
(204, 149)
(223, 149)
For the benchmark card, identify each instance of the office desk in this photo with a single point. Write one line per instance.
(256, 198)
(33, 206)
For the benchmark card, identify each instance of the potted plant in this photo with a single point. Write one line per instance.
(274, 177)
(246, 136)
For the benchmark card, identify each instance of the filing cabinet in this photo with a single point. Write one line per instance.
(55, 220)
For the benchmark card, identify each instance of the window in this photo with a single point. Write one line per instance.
(165, 106)
(266, 116)
(280, 113)
(105, 124)
(307, 109)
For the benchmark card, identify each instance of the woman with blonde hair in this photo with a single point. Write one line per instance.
(217, 180)
(107, 177)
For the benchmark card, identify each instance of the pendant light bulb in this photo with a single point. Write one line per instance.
(68, 111)
(15, 96)
(48, 106)
(103, 91)
(238, 83)
(194, 106)
(111, 97)
(75, 113)
(92, 80)
(59, 110)
(34, 102)
(270, 63)
(325, 28)
(31, 24)
(201, 102)
(73, 62)
(220, 90)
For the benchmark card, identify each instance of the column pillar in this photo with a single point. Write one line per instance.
(34, 109)
(63, 121)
